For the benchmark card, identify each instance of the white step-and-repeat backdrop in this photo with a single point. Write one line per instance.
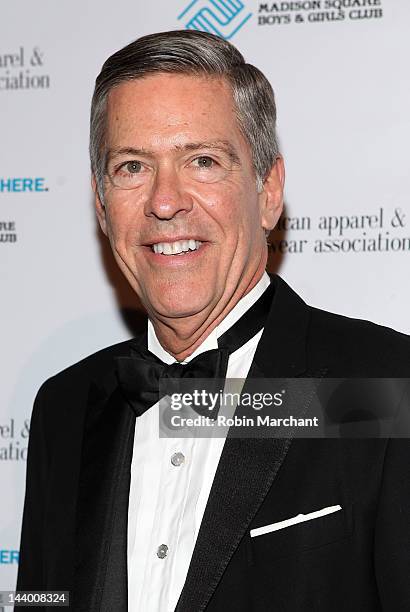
(340, 70)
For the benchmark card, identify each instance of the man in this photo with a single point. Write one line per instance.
(188, 182)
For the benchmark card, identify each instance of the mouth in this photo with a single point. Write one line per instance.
(177, 247)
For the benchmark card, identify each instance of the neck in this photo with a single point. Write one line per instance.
(181, 337)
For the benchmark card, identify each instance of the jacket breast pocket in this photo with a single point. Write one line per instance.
(277, 541)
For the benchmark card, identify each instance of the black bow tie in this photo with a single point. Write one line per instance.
(140, 372)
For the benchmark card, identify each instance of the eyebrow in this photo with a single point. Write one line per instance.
(217, 145)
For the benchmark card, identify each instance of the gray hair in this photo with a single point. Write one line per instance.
(192, 53)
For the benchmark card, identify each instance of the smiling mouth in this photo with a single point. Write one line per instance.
(179, 247)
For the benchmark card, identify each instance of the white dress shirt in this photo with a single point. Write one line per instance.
(170, 483)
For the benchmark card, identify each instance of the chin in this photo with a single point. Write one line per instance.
(184, 304)
(178, 310)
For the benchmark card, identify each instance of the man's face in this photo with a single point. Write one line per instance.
(180, 171)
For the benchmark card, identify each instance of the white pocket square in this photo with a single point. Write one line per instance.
(300, 518)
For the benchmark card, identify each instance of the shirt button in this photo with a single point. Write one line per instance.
(162, 551)
(177, 459)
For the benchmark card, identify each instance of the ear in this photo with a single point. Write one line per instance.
(99, 206)
(271, 196)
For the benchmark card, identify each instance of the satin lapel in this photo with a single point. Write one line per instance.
(104, 477)
(247, 467)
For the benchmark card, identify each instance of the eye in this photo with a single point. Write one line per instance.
(133, 167)
(205, 162)
(206, 169)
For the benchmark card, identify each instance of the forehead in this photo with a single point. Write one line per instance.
(172, 106)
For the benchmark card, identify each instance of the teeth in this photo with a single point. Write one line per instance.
(175, 248)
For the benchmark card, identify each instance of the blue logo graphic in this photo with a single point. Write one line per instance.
(22, 184)
(221, 17)
(9, 556)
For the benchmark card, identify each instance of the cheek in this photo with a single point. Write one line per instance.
(121, 223)
(226, 203)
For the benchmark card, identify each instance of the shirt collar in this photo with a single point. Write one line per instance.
(211, 341)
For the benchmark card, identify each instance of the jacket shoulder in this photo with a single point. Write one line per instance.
(98, 367)
(359, 346)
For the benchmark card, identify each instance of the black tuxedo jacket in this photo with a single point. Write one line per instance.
(356, 559)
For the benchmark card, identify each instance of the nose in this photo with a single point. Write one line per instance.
(167, 197)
